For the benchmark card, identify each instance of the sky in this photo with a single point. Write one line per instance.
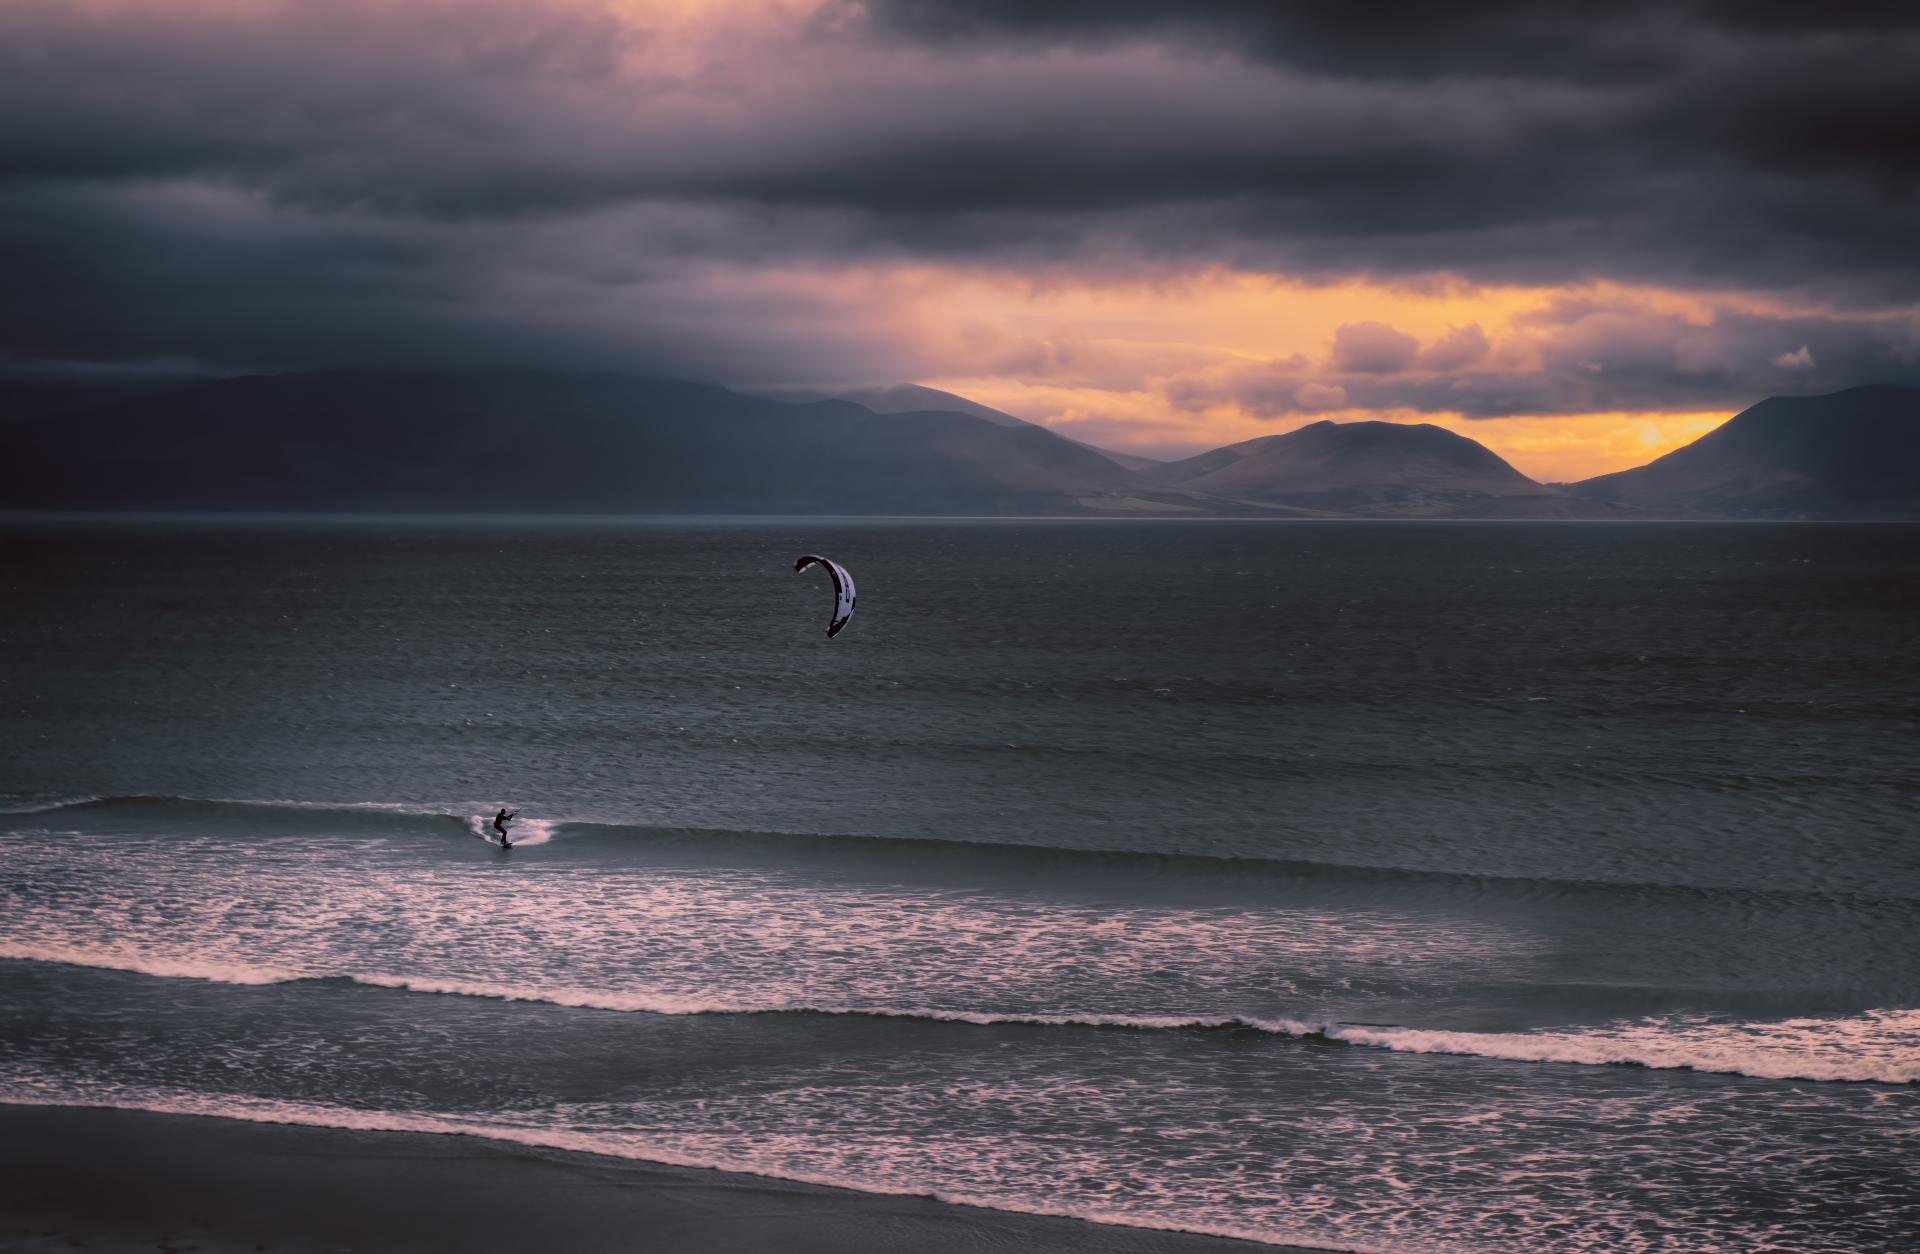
(1583, 234)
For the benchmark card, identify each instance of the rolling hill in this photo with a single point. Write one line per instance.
(1374, 469)
(1850, 454)
(907, 398)
(532, 441)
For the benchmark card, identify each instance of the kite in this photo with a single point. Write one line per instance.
(842, 590)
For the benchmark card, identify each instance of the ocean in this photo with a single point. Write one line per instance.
(1391, 886)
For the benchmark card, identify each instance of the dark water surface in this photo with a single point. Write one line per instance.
(1306, 882)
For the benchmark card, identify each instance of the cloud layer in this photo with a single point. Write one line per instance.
(776, 193)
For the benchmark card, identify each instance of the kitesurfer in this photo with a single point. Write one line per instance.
(500, 822)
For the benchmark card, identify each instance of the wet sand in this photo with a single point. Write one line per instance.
(110, 1181)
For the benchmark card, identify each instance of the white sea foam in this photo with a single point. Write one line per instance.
(1879, 1045)
(522, 831)
(123, 958)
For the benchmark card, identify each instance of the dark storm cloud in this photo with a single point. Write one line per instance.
(183, 271)
(1747, 145)
(1612, 39)
(283, 182)
(525, 118)
(1597, 39)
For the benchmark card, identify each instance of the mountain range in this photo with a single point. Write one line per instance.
(546, 442)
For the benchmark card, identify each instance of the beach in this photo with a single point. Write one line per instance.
(114, 1181)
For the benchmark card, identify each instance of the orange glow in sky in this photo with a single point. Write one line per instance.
(1116, 363)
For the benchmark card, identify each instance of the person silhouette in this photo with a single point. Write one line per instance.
(500, 822)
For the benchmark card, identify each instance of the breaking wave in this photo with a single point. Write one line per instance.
(1878, 1046)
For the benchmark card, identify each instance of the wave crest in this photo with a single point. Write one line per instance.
(1880, 1046)
(285, 817)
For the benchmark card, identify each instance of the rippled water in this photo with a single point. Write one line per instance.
(1373, 886)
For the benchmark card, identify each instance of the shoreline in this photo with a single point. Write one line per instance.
(112, 1180)
(600, 519)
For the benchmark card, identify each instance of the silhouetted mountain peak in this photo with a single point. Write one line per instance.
(1348, 465)
(1849, 454)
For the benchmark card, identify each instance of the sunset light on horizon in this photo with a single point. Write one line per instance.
(1171, 368)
